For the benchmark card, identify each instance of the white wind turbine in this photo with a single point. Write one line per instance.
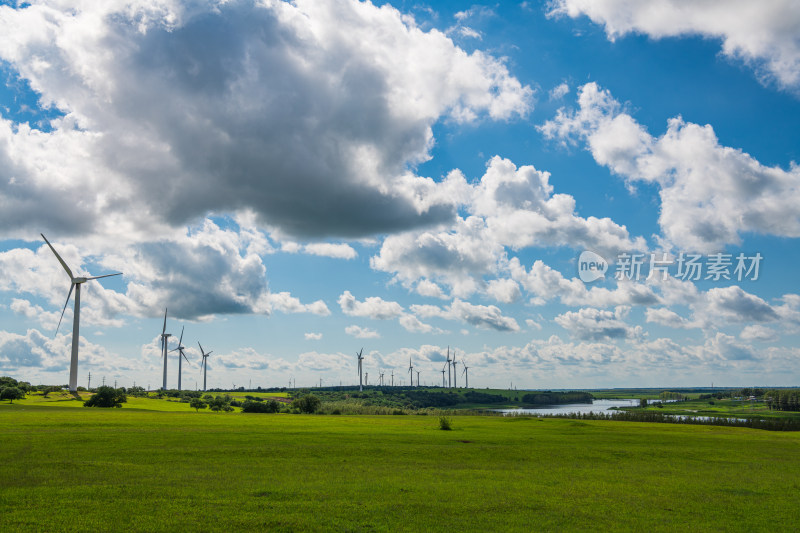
(76, 284)
(204, 364)
(164, 340)
(181, 356)
(466, 370)
(360, 368)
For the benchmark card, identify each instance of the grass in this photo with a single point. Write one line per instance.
(136, 470)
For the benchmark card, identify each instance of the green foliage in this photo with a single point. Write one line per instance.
(106, 397)
(197, 404)
(252, 406)
(670, 395)
(783, 399)
(12, 393)
(46, 391)
(307, 404)
(642, 402)
(220, 403)
(445, 423)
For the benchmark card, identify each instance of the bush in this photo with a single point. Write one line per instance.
(254, 406)
(445, 423)
(106, 397)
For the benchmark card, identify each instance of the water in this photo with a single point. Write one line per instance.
(598, 406)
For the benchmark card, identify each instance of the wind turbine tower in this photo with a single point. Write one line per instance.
(417, 371)
(449, 380)
(443, 371)
(392, 377)
(411, 371)
(181, 356)
(204, 363)
(466, 371)
(76, 315)
(360, 368)
(455, 374)
(164, 339)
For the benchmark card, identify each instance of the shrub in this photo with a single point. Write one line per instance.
(197, 404)
(251, 406)
(445, 423)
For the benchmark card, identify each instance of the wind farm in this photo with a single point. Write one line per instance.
(430, 266)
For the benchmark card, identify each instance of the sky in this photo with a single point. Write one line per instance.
(563, 194)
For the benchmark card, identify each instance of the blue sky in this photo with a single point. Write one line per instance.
(296, 181)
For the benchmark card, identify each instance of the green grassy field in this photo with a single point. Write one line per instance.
(137, 470)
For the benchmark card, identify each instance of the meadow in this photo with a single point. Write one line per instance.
(134, 469)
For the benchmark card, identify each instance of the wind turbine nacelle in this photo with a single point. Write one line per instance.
(76, 281)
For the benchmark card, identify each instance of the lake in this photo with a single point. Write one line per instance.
(598, 406)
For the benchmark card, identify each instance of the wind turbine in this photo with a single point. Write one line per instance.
(164, 340)
(360, 368)
(417, 371)
(411, 371)
(449, 381)
(204, 364)
(443, 371)
(392, 377)
(366, 379)
(181, 356)
(465, 372)
(455, 374)
(75, 284)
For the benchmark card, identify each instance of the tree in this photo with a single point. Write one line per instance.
(12, 393)
(106, 397)
(197, 404)
(48, 390)
(307, 404)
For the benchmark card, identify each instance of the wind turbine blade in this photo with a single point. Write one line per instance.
(72, 286)
(104, 276)
(164, 329)
(63, 264)
(181, 339)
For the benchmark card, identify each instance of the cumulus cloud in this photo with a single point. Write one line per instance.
(510, 207)
(372, 307)
(313, 336)
(761, 34)
(710, 193)
(335, 250)
(559, 91)
(596, 324)
(757, 332)
(482, 316)
(361, 333)
(171, 111)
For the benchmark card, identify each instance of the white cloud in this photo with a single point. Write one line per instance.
(286, 303)
(503, 290)
(666, 317)
(596, 324)
(482, 316)
(510, 207)
(761, 34)
(326, 249)
(559, 91)
(361, 333)
(710, 193)
(174, 111)
(313, 336)
(372, 307)
(757, 332)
